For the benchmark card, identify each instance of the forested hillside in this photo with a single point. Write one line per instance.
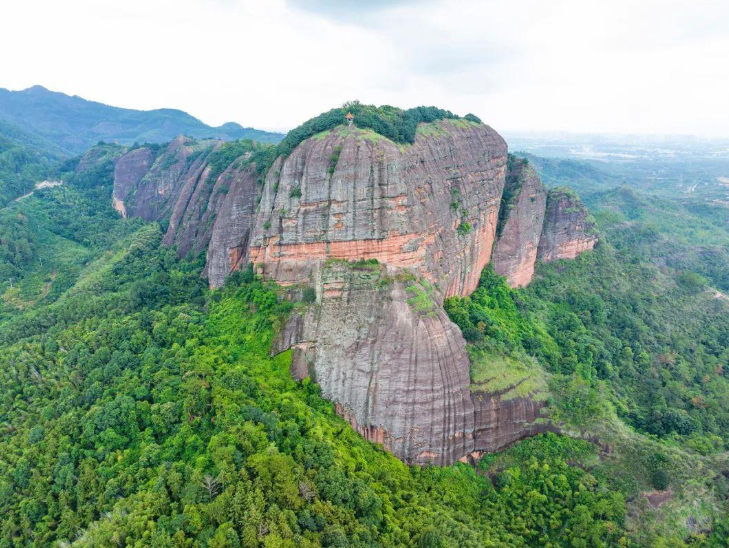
(138, 407)
(24, 160)
(74, 124)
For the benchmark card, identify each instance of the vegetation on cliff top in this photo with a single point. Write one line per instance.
(514, 178)
(396, 124)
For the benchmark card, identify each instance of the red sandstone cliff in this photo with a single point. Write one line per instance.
(378, 341)
(520, 224)
(568, 229)
(352, 194)
(203, 210)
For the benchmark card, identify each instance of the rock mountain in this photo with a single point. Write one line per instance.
(373, 234)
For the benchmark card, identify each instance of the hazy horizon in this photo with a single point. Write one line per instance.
(657, 69)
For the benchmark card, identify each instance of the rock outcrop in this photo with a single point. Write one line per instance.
(520, 223)
(568, 230)
(380, 347)
(203, 208)
(430, 207)
(378, 341)
(129, 171)
(383, 232)
(234, 222)
(499, 422)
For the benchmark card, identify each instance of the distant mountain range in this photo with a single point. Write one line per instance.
(73, 124)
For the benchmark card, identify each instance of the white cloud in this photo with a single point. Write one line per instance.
(643, 66)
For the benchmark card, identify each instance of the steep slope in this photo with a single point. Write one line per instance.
(430, 207)
(520, 223)
(422, 219)
(568, 230)
(75, 124)
(389, 357)
(201, 190)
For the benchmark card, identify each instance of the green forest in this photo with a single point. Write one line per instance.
(24, 160)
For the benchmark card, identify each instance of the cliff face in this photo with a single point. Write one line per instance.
(170, 184)
(382, 348)
(568, 230)
(203, 209)
(500, 422)
(382, 233)
(128, 173)
(536, 224)
(430, 207)
(231, 232)
(387, 354)
(377, 340)
(520, 224)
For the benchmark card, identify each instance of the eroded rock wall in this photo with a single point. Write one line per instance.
(231, 232)
(520, 224)
(500, 421)
(568, 230)
(430, 207)
(384, 351)
(203, 210)
(128, 173)
(394, 364)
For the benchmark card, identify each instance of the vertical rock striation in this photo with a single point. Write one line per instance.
(378, 341)
(390, 358)
(202, 209)
(520, 224)
(128, 173)
(569, 229)
(231, 232)
(352, 194)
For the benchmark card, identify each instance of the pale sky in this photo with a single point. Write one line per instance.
(620, 66)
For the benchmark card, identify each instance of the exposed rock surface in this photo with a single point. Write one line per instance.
(128, 173)
(381, 347)
(500, 422)
(228, 249)
(203, 210)
(568, 230)
(520, 224)
(397, 370)
(353, 194)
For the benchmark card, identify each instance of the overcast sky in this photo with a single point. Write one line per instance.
(622, 66)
